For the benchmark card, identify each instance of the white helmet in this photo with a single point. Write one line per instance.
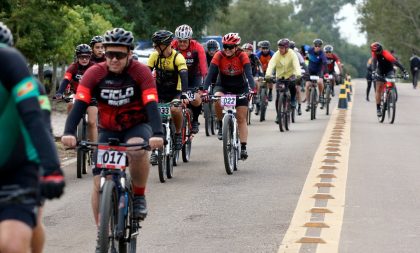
(183, 32)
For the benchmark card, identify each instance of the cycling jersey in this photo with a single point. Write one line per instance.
(256, 65)
(73, 76)
(168, 79)
(265, 59)
(25, 134)
(195, 57)
(384, 62)
(317, 62)
(284, 65)
(331, 60)
(232, 71)
(124, 100)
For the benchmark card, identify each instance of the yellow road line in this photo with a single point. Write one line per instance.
(318, 216)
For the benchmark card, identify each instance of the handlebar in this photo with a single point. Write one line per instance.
(114, 142)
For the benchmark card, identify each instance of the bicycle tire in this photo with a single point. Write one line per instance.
(280, 113)
(286, 116)
(207, 118)
(80, 162)
(327, 99)
(237, 150)
(108, 208)
(263, 103)
(175, 158)
(162, 166)
(392, 106)
(169, 160)
(313, 103)
(186, 148)
(228, 150)
(384, 105)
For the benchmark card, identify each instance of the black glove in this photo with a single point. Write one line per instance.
(52, 185)
(374, 75)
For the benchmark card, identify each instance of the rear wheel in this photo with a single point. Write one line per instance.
(263, 103)
(81, 155)
(286, 117)
(162, 165)
(207, 118)
(327, 99)
(313, 103)
(107, 218)
(281, 112)
(186, 148)
(228, 146)
(384, 108)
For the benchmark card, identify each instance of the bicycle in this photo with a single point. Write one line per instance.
(84, 156)
(186, 132)
(313, 97)
(231, 142)
(328, 91)
(210, 120)
(388, 99)
(165, 155)
(117, 227)
(283, 103)
(262, 99)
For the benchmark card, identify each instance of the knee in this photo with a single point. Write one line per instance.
(16, 239)
(133, 152)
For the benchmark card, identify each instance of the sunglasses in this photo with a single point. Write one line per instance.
(230, 47)
(317, 46)
(119, 55)
(183, 41)
(83, 57)
(264, 48)
(328, 52)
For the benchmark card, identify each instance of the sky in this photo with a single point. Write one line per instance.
(349, 27)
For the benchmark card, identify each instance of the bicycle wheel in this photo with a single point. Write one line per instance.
(280, 112)
(175, 158)
(108, 213)
(286, 113)
(81, 154)
(237, 149)
(186, 148)
(293, 113)
(207, 118)
(313, 103)
(384, 107)
(327, 99)
(169, 157)
(228, 146)
(392, 107)
(263, 103)
(162, 165)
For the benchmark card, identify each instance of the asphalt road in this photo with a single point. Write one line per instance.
(202, 209)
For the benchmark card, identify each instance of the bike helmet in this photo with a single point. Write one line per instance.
(212, 45)
(376, 47)
(292, 44)
(248, 46)
(265, 44)
(328, 48)
(83, 49)
(318, 42)
(118, 37)
(96, 39)
(183, 32)
(162, 37)
(283, 43)
(231, 39)
(6, 36)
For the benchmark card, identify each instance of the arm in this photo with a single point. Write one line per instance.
(183, 74)
(271, 65)
(202, 60)
(248, 74)
(213, 71)
(296, 66)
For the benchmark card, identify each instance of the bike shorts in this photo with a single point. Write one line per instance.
(24, 174)
(237, 91)
(143, 131)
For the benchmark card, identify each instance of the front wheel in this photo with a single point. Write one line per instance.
(263, 103)
(107, 218)
(162, 165)
(327, 99)
(313, 103)
(281, 113)
(392, 107)
(186, 148)
(228, 145)
(207, 118)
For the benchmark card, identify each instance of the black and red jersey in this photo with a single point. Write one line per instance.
(121, 97)
(74, 74)
(384, 61)
(331, 60)
(231, 69)
(195, 57)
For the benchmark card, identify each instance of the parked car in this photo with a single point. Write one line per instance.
(143, 54)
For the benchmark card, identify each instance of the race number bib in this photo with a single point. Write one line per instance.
(314, 78)
(190, 95)
(228, 100)
(111, 157)
(165, 110)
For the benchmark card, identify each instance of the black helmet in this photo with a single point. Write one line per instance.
(212, 45)
(6, 36)
(292, 44)
(265, 44)
(83, 49)
(118, 37)
(284, 43)
(328, 48)
(96, 39)
(162, 37)
(318, 42)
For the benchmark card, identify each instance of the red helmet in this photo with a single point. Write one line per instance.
(231, 39)
(248, 46)
(376, 47)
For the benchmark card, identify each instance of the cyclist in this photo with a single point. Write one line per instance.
(127, 99)
(414, 67)
(195, 56)
(171, 78)
(316, 66)
(369, 78)
(286, 65)
(332, 59)
(382, 66)
(303, 69)
(27, 151)
(233, 66)
(97, 49)
(74, 74)
(264, 55)
(256, 68)
(212, 47)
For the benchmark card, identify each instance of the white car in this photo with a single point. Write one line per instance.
(143, 54)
